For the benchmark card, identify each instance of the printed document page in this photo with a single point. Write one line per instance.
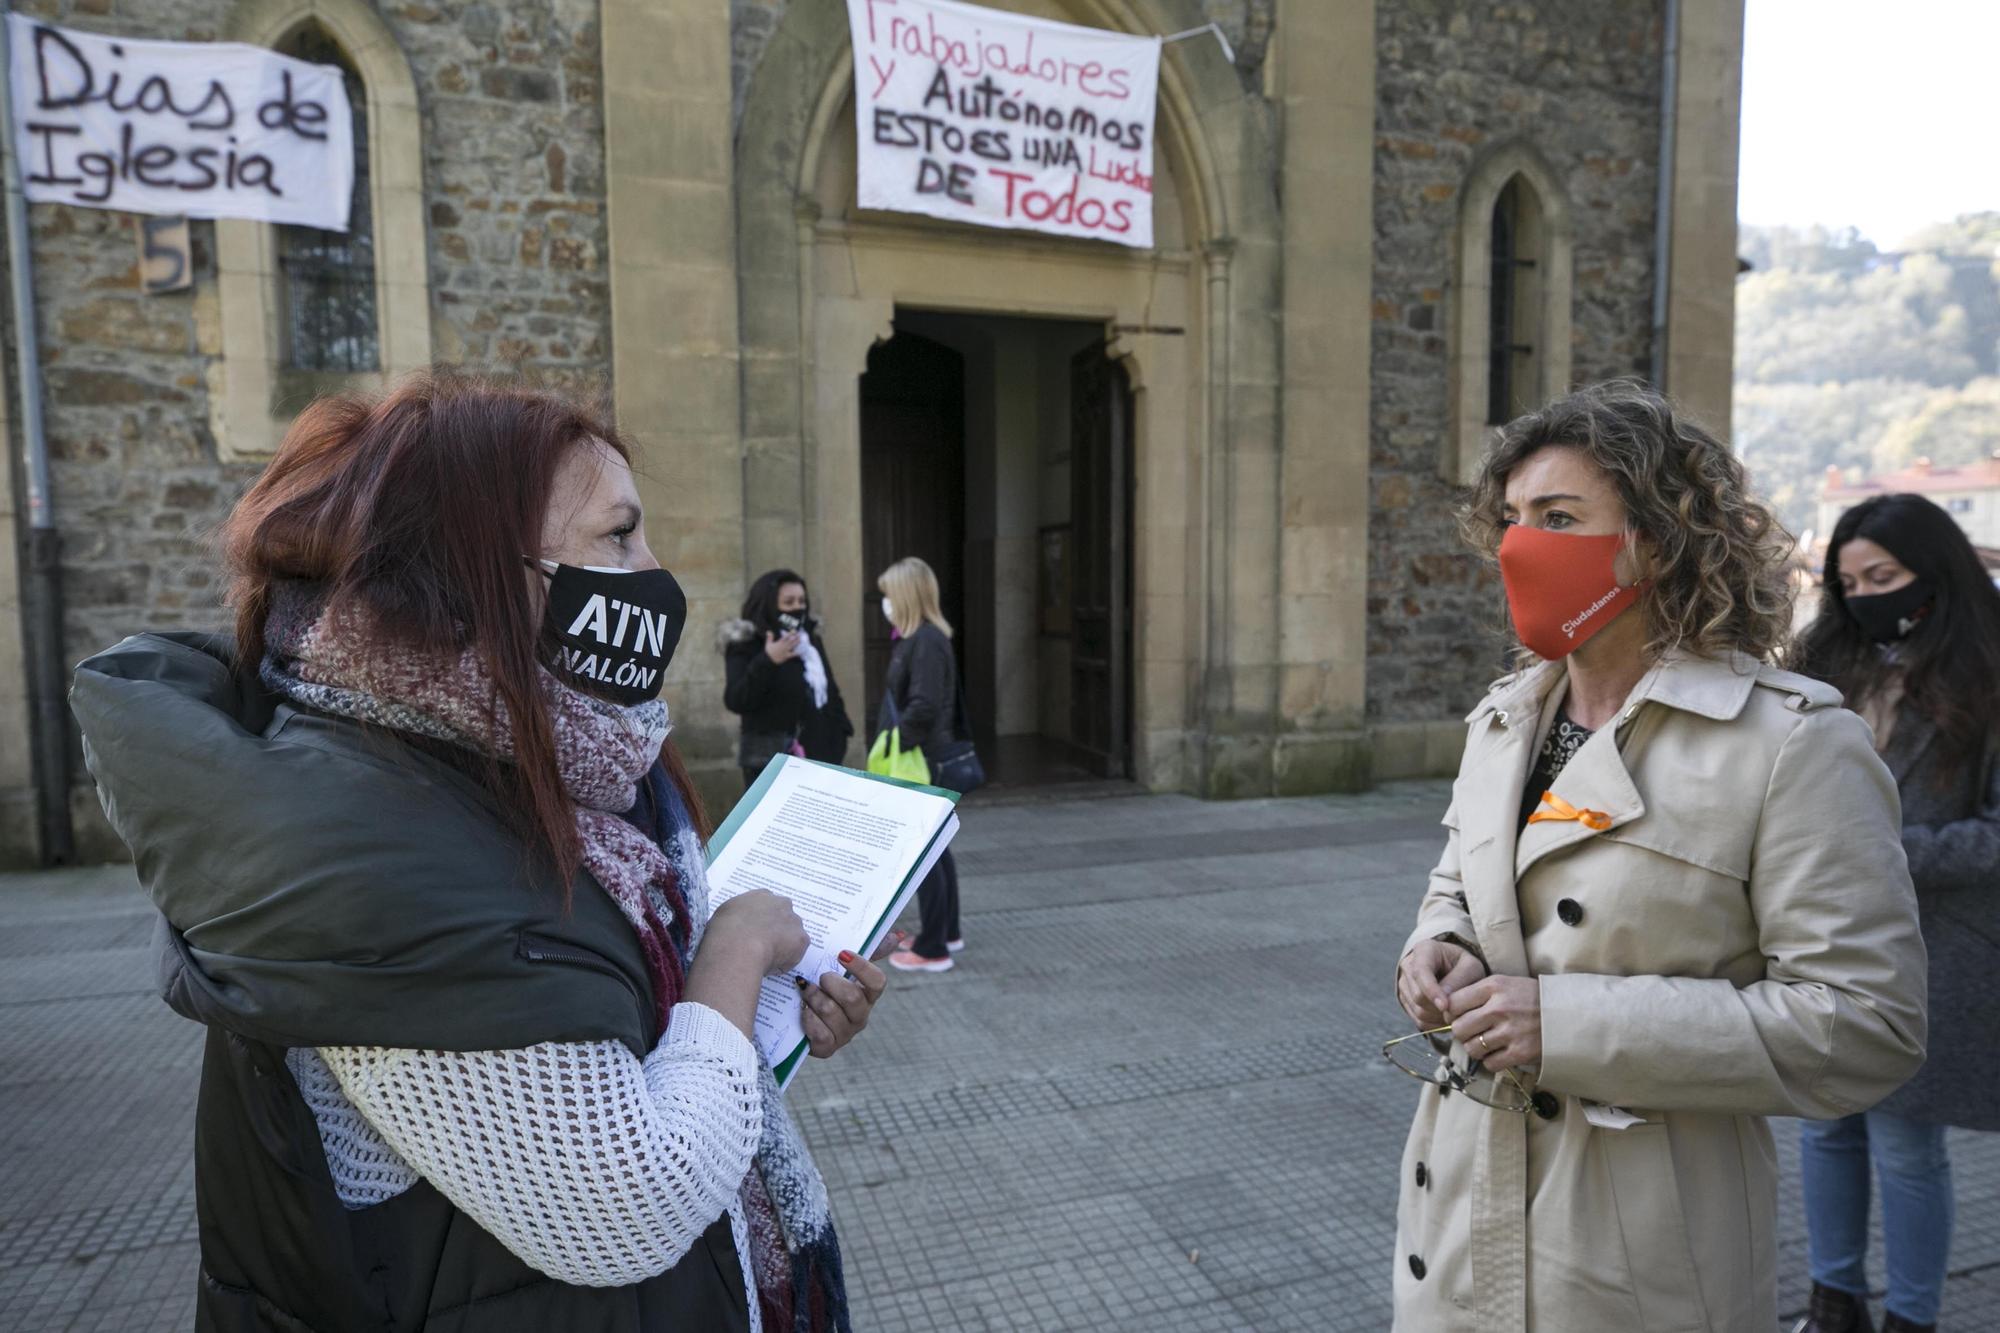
(847, 849)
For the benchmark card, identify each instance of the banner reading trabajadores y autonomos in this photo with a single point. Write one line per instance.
(979, 116)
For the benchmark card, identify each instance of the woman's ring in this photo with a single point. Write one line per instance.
(1482, 1046)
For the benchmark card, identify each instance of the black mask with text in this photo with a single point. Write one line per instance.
(616, 629)
(1888, 616)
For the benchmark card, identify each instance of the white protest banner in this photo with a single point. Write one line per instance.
(207, 129)
(979, 116)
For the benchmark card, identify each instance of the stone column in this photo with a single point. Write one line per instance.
(1326, 50)
(1167, 555)
(674, 351)
(846, 326)
(1701, 285)
(1241, 320)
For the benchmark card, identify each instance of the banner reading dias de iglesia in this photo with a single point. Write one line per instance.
(979, 116)
(206, 129)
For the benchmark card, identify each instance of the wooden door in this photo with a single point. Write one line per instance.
(1101, 562)
(912, 486)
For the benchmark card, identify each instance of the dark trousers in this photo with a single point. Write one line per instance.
(937, 907)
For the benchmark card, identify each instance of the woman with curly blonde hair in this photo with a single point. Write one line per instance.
(1672, 902)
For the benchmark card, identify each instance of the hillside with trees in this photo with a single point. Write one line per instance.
(1861, 358)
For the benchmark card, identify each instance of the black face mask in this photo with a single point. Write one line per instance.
(617, 628)
(1888, 616)
(794, 622)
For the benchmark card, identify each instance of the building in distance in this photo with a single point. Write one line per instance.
(1970, 493)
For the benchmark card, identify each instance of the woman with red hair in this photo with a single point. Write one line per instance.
(431, 873)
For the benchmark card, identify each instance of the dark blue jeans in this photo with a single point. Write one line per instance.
(1909, 1159)
(937, 907)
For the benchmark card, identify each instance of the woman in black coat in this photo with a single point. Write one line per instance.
(778, 678)
(921, 698)
(430, 872)
(1910, 632)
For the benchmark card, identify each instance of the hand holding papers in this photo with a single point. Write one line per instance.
(847, 849)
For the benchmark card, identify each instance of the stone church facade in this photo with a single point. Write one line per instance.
(651, 202)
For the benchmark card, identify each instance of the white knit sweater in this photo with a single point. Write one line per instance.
(593, 1167)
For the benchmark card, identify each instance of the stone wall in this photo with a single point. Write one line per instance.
(514, 180)
(510, 92)
(514, 138)
(515, 184)
(1579, 81)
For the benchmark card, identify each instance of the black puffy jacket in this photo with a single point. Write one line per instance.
(776, 703)
(322, 885)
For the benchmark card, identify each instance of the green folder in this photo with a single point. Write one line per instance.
(784, 1070)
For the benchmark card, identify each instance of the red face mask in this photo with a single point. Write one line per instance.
(1561, 587)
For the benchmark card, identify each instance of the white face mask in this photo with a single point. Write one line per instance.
(888, 613)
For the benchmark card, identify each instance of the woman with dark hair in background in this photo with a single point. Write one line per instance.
(1909, 631)
(479, 1055)
(778, 679)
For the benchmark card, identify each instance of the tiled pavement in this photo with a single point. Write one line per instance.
(1148, 1098)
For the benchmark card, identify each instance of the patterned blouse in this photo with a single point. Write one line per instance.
(1564, 740)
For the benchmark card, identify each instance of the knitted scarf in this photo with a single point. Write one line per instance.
(334, 665)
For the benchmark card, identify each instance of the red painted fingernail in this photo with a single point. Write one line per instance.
(846, 957)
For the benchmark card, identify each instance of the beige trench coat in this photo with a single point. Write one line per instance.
(1740, 942)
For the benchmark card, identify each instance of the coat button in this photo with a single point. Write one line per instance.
(1545, 1104)
(1423, 1175)
(1416, 1268)
(1570, 912)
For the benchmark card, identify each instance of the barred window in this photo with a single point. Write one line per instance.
(1510, 308)
(1515, 304)
(329, 276)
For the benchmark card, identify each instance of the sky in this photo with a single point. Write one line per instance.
(1863, 113)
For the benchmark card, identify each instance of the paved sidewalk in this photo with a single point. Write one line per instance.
(1148, 1098)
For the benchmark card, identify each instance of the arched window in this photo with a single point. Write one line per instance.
(304, 311)
(329, 276)
(1510, 326)
(1514, 305)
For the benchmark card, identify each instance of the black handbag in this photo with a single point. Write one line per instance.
(955, 765)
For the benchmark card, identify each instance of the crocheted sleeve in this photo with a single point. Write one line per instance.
(591, 1166)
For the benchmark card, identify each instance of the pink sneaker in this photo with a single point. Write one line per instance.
(905, 961)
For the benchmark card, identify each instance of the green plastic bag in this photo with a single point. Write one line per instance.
(887, 758)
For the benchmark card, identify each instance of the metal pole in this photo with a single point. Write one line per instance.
(1663, 213)
(41, 588)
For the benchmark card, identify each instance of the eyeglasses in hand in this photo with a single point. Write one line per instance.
(1427, 1056)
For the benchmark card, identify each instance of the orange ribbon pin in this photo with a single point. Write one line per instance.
(1561, 811)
